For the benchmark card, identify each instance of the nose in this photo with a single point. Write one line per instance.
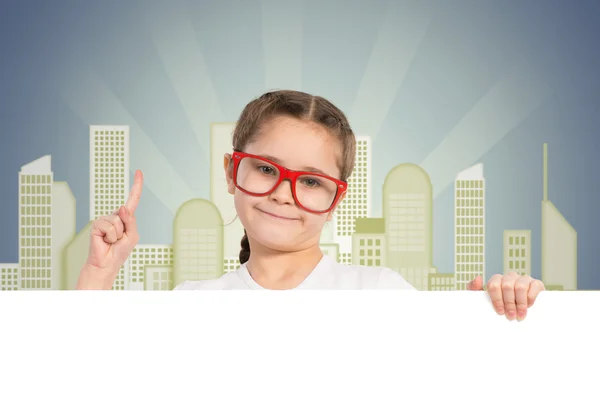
(283, 193)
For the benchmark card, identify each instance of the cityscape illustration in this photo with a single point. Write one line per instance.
(206, 232)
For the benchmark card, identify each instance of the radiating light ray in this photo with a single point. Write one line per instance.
(399, 38)
(282, 43)
(497, 113)
(93, 101)
(177, 46)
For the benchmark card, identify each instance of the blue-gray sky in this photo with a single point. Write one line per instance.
(485, 81)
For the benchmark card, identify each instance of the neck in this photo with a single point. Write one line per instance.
(273, 269)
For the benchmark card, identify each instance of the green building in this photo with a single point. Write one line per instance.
(407, 211)
(559, 243)
(469, 224)
(109, 178)
(441, 281)
(35, 224)
(75, 254)
(147, 254)
(517, 251)
(368, 242)
(231, 263)
(198, 242)
(357, 203)
(158, 277)
(9, 278)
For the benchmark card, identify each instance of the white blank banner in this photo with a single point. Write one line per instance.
(295, 345)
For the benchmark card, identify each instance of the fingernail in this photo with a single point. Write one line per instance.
(501, 311)
(511, 315)
(521, 316)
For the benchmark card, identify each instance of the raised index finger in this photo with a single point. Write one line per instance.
(136, 192)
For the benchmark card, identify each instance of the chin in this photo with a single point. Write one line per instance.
(282, 247)
(268, 234)
(277, 238)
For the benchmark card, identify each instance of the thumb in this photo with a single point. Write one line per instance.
(129, 221)
(476, 284)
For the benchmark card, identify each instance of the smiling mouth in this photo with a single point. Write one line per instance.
(277, 216)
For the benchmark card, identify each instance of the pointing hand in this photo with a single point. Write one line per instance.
(114, 236)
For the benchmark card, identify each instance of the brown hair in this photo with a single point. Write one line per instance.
(300, 105)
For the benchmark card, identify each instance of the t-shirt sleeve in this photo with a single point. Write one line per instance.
(390, 279)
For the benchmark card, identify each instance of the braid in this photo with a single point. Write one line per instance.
(245, 251)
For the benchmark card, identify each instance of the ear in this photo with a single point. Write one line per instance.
(228, 167)
(330, 215)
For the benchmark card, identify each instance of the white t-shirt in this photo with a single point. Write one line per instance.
(328, 274)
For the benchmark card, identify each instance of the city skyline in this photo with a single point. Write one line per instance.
(402, 239)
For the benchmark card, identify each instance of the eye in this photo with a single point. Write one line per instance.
(266, 169)
(310, 182)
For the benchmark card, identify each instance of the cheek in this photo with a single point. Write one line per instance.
(315, 222)
(244, 205)
(242, 202)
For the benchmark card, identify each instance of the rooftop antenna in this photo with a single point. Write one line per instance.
(545, 171)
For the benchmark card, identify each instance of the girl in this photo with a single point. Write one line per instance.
(293, 153)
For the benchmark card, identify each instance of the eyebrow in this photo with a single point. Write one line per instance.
(308, 169)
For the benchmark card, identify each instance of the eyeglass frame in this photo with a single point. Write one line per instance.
(287, 174)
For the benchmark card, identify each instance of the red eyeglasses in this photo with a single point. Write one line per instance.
(259, 176)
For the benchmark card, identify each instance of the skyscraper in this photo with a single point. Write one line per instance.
(517, 251)
(198, 242)
(63, 211)
(109, 177)
(559, 243)
(109, 169)
(469, 223)
(357, 203)
(407, 210)
(35, 224)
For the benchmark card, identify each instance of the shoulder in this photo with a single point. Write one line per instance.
(229, 280)
(390, 279)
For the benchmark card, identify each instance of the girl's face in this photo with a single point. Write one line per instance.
(275, 221)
